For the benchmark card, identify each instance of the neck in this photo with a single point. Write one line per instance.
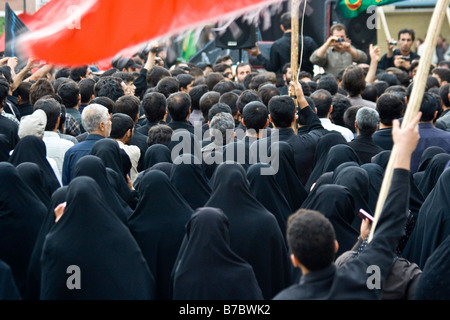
(383, 126)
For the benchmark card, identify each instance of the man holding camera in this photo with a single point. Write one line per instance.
(337, 53)
(403, 56)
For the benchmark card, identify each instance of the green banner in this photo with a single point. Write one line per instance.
(352, 8)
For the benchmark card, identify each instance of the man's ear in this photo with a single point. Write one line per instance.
(294, 261)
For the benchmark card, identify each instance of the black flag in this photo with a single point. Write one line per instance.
(14, 27)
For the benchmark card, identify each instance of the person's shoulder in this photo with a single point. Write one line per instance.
(292, 292)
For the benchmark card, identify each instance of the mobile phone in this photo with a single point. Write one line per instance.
(393, 43)
(363, 214)
(340, 40)
(406, 58)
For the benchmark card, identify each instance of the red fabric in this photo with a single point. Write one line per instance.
(106, 27)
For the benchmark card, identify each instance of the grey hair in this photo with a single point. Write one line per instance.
(92, 115)
(222, 127)
(367, 120)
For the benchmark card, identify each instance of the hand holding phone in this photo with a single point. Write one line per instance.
(363, 215)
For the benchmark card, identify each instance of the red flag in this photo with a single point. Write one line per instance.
(76, 32)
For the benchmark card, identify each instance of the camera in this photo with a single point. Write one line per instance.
(393, 43)
(340, 40)
(406, 58)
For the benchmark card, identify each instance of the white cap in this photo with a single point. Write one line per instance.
(33, 124)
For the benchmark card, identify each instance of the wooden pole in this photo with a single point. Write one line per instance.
(380, 13)
(415, 100)
(294, 38)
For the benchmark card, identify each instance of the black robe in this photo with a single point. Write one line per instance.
(356, 180)
(5, 148)
(8, 288)
(425, 159)
(286, 174)
(92, 166)
(32, 149)
(432, 173)
(267, 191)
(433, 224)
(337, 204)
(375, 173)
(113, 156)
(254, 232)
(21, 216)
(434, 283)
(338, 155)
(33, 286)
(188, 177)
(33, 177)
(155, 154)
(213, 271)
(158, 225)
(91, 238)
(323, 146)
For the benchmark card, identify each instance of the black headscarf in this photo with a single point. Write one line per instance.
(356, 180)
(427, 155)
(382, 158)
(21, 216)
(188, 178)
(165, 167)
(158, 224)
(34, 268)
(267, 191)
(5, 148)
(287, 176)
(155, 154)
(323, 146)
(212, 271)
(433, 223)
(112, 155)
(433, 172)
(33, 177)
(92, 238)
(336, 203)
(434, 283)
(120, 185)
(254, 231)
(338, 155)
(92, 166)
(32, 149)
(8, 288)
(376, 173)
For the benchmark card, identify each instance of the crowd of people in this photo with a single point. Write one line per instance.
(225, 181)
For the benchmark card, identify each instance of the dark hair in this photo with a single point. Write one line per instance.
(4, 90)
(62, 73)
(338, 27)
(86, 86)
(282, 111)
(167, 86)
(109, 87)
(329, 83)
(245, 97)
(353, 80)
(340, 104)
(311, 239)
(179, 106)
(23, 91)
(224, 86)
(323, 101)
(218, 108)
(442, 73)
(432, 82)
(52, 109)
(406, 30)
(223, 58)
(370, 93)
(259, 80)
(285, 20)
(350, 116)
(128, 105)
(207, 101)
(159, 134)
(428, 107)
(248, 78)
(390, 78)
(6, 72)
(120, 124)
(266, 92)
(69, 93)
(196, 93)
(155, 74)
(184, 80)
(230, 98)
(77, 73)
(255, 115)
(389, 107)
(381, 86)
(443, 93)
(42, 87)
(221, 67)
(213, 78)
(155, 106)
(106, 102)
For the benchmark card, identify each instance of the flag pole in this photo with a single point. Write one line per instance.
(294, 48)
(415, 100)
